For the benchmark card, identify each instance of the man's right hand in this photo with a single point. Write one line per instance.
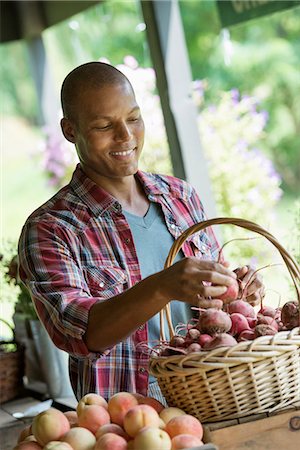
(190, 277)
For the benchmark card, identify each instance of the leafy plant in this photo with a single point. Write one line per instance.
(244, 181)
(12, 289)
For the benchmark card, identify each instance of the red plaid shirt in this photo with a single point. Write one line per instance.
(77, 249)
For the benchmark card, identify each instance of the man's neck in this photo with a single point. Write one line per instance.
(129, 193)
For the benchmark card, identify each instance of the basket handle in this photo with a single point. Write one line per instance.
(290, 262)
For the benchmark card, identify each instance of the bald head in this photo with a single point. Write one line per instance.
(92, 75)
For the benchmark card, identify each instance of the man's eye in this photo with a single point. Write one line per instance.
(133, 119)
(103, 127)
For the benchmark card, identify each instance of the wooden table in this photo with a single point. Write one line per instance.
(276, 431)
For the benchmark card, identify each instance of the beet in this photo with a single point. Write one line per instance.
(267, 320)
(203, 338)
(246, 335)
(177, 341)
(290, 315)
(193, 348)
(252, 321)
(213, 321)
(231, 293)
(239, 323)
(191, 336)
(264, 330)
(220, 340)
(242, 307)
(267, 311)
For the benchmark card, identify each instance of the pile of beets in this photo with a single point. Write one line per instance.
(226, 325)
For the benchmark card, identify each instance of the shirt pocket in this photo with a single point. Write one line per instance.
(105, 281)
(200, 244)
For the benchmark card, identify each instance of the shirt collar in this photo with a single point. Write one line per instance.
(98, 200)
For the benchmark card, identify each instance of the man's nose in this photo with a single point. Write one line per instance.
(122, 132)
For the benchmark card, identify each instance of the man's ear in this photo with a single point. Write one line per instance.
(68, 130)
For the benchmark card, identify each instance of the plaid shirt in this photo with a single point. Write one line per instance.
(77, 249)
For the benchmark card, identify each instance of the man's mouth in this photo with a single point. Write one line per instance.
(124, 153)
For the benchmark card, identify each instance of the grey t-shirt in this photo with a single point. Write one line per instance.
(153, 242)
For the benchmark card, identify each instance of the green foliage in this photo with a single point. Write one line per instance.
(17, 88)
(260, 57)
(244, 181)
(13, 291)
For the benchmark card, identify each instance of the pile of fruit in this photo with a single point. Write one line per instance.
(226, 325)
(126, 422)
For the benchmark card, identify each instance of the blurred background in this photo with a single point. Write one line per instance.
(245, 87)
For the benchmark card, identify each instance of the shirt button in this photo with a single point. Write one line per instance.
(173, 226)
(142, 370)
(141, 327)
(127, 240)
(101, 284)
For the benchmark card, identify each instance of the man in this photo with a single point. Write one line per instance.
(93, 255)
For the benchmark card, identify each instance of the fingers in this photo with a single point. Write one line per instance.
(191, 276)
(251, 284)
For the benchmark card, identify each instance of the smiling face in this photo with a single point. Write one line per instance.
(108, 131)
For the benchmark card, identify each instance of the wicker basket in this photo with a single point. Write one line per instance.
(11, 370)
(227, 383)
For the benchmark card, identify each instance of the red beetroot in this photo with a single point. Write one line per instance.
(267, 320)
(290, 315)
(239, 323)
(242, 307)
(191, 336)
(194, 347)
(231, 293)
(204, 338)
(251, 321)
(220, 340)
(246, 335)
(267, 311)
(177, 341)
(213, 321)
(264, 330)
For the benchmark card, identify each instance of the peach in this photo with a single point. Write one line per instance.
(162, 424)
(138, 396)
(91, 399)
(185, 424)
(119, 404)
(168, 413)
(151, 402)
(111, 441)
(150, 438)
(72, 418)
(140, 416)
(130, 445)
(92, 417)
(111, 428)
(184, 441)
(49, 425)
(80, 438)
(28, 445)
(57, 445)
(24, 433)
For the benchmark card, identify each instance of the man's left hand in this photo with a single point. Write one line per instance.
(251, 284)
